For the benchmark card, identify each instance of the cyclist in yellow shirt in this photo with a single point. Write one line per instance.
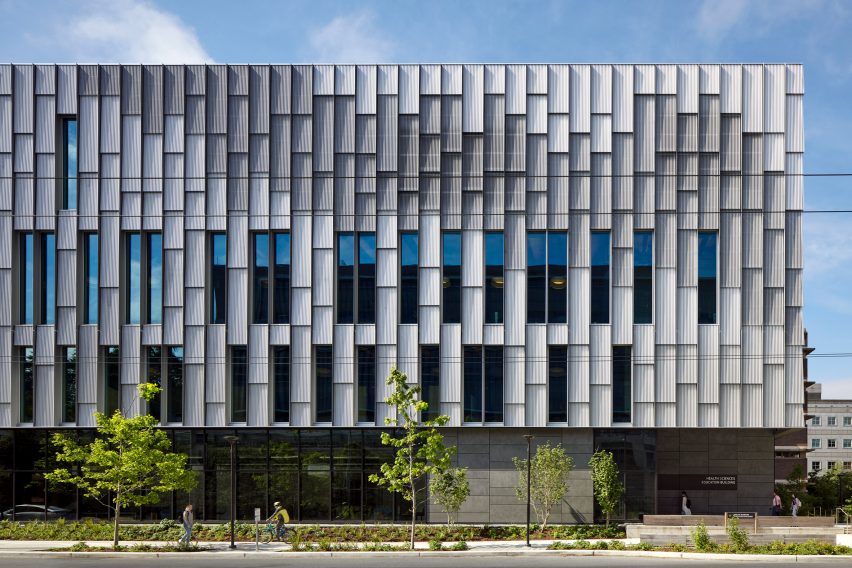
(280, 517)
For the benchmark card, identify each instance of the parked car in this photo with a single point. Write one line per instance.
(34, 513)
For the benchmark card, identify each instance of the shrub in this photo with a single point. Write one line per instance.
(737, 535)
(436, 544)
(701, 538)
(460, 545)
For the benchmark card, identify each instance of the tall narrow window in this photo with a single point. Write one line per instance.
(27, 385)
(134, 278)
(557, 384)
(281, 298)
(69, 384)
(451, 281)
(366, 383)
(323, 368)
(174, 368)
(367, 278)
(409, 253)
(600, 277)
(707, 277)
(219, 278)
(643, 276)
(281, 386)
(155, 278)
(69, 161)
(345, 278)
(239, 383)
(621, 383)
(536, 277)
(112, 369)
(493, 371)
(472, 383)
(48, 279)
(90, 300)
(154, 375)
(27, 278)
(494, 278)
(260, 279)
(557, 281)
(430, 381)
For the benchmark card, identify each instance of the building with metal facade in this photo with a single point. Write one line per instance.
(560, 247)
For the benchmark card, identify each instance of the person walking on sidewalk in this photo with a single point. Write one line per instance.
(188, 519)
(776, 504)
(795, 505)
(685, 504)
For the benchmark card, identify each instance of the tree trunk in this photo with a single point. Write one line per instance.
(115, 525)
(413, 494)
(607, 518)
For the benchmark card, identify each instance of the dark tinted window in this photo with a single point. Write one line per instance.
(472, 383)
(134, 278)
(366, 383)
(430, 381)
(536, 277)
(154, 372)
(408, 250)
(323, 367)
(643, 276)
(260, 279)
(451, 252)
(493, 383)
(706, 277)
(112, 370)
(155, 278)
(91, 276)
(282, 278)
(281, 375)
(175, 388)
(367, 278)
(69, 182)
(239, 383)
(600, 277)
(621, 383)
(557, 384)
(69, 384)
(494, 278)
(219, 278)
(48, 279)
(345, 278)
(27, 268)
(557, 277)
(27, 384)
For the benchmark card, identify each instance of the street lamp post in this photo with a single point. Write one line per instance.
(232, 441)
(529, 438)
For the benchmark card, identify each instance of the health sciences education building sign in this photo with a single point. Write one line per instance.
(697, 482)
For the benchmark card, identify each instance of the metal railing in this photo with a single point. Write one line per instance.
(840, 513)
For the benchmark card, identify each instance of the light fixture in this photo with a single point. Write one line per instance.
(558, 282)
(497, 281)
(445, 282)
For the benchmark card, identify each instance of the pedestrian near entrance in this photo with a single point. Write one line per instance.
(188, 518)
(795, 505)
(685, 504)
(776, 504)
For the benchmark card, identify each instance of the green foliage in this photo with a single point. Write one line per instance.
(147, 391)
(436, 544)
(550, 467)
(450, 489)
(738, 536)
(701, 538)
(458, 546)
(130, 461)
(810, 548)
(419, 451)
(606, 482)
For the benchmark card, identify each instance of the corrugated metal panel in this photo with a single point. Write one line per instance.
(66, 326)
(793, 224)
(280, 89)
(773, 344)
(731, 89)
(558, 88)
(644, 79)
(45, 80)
(578, 379)
(601, 89)
(773, 258)
(217, 99)
(622, 98)
(752, 98)
(194, 307)
(708, 364)
(795, 124)
(6, 122)
(193, 410)
(108, 316)
(752, 240)
(730, 251)
(173, 90)
(24, 153)
(153, 334)
(730, 307)
(794, 290)
(365, 89)
(773, 396)
(66, 89)
(516, 89)
(601, 133)
(344, 80)
(687, 315)
(665, 304)
(644, 134)
(687, 89)
(23, 99)
(752, 291)
(580, 96)
(666, 79)
(579, 294)
(795, 79)
(600, 397)
(87, 150)
(301, 308)
(237, 306)
(708, 79)
(451, 79)
(752, 354)
(774, 82)
(495, 79)
(323, 79)
(45, 124)
(66, 272)
(600, 355)
(687, 252)
(87, 375)
(687, 405)
(473, 96)
(152, 99)
(238, 124)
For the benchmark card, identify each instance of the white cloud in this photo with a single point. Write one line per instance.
(131, 31)
(837, 388)
(353, 38)
(716, 19)
(828, 245)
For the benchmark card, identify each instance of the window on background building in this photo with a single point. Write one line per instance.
(832, 421)
(472, 395)
(155, 278)
(643, 276)
(847, 465)
(281, 383)
(154, 375)
(600, 277)
(367, 278)
(239, 383)
(69, 162)
(48, 279)
(27, 278)
(493, 372)
(430, 381)
(815, 466)
(829, 465)
(816, 443)
(847, 443)
(847, 420)
(557, 277)
(174, 368)
(281, 299)
(69, 384)
(537, 277)
(622, 383)
(831, 443)
(366, 383)
(323, 360)
(218, 278)
(90, 300)
(494, 281)
(451, 278)
(345, 278)
(27, 385)
(707, 264)
(260, 279)
(112, 382)
(557, 384)
(815, 421)
(133, 259)
(408, 261)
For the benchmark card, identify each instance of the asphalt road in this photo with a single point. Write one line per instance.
(391, 562)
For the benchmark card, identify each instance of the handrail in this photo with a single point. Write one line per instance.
(845, 512)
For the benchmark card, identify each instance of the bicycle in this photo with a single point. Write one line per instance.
(269, 533)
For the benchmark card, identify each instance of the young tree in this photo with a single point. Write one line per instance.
(606, 482)
(130, 460)
(419, 449)
(450, 489)
(550, 467)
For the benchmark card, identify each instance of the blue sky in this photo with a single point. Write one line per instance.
(813, 32)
